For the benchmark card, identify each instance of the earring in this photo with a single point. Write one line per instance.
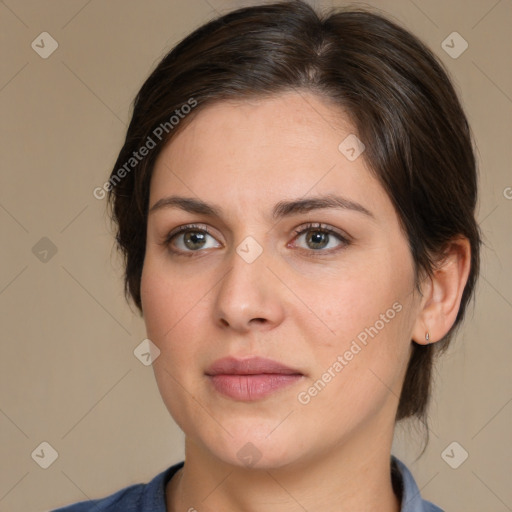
(427, 336)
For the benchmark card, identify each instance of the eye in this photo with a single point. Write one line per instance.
(321, 238)
(189, 239)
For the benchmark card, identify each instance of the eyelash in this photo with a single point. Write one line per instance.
(315, 226)
(322, 228)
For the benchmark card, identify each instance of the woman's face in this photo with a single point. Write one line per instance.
(335, 305)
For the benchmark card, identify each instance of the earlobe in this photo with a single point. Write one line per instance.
(443, 293)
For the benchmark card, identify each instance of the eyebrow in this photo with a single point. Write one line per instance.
(280, 210)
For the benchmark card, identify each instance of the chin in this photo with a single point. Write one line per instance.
(252, 449)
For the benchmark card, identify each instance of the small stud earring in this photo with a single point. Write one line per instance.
(427, 336)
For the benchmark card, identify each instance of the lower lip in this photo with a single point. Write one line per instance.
(252, 387)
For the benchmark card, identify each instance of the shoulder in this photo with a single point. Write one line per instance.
(411, 497)
(148, 497)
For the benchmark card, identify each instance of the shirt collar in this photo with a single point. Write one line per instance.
(411, 497)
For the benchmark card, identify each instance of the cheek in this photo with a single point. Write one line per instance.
(166, 300)
(368, 351)
(155, 303)
(173, 309)
(359, 375)
(354, 302)
(165, 316)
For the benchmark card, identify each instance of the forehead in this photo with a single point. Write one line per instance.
(283, 146)
(300, 119)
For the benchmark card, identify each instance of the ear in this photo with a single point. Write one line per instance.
(442, 293)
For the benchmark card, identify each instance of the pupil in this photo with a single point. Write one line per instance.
(194, 238)
(317, 237)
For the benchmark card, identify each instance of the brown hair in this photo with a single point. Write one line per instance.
(396, 93)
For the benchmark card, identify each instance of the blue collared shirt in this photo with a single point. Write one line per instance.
(150, 497)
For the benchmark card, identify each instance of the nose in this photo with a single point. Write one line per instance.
(249, 296)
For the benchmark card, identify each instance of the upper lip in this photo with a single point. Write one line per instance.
(248, 366)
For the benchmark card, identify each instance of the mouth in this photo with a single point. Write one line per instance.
(250, 379)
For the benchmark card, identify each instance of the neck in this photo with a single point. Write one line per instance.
(355, 475)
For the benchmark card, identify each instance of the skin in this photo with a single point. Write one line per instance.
(295, 304)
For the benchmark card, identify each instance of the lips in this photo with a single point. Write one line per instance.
(250, 379)
(250, 366)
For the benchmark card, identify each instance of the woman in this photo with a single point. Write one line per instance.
(295, 202)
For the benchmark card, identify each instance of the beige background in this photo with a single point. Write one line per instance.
(68, 375)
